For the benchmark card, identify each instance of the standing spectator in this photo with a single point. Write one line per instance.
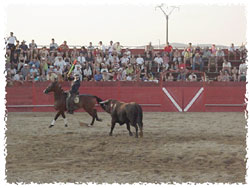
(90, 47)
(159, 61)
(118, 48)
(128, 53)
(165, 61)
(243, 52)
(53, 46)
(74, 52)
(220, 56)
(148, 61)
(212, 62)
(232, 52)
(11, 42)
(226, 66)
(206, 55)
(213, 49)
(169, 49)
(43, 52)
(149, 49)
(188, 56)
(102, 48)
(110, 47)
(32, 45)
(197, 61)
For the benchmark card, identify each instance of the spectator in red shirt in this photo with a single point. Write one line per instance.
(64, 47)
(169, 49)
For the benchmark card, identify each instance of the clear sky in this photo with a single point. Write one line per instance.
(129, 23)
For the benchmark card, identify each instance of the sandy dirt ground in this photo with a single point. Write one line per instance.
(176, 147)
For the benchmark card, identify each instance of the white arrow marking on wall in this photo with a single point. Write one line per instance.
(193, 99)
(189, 104)
(172, 99)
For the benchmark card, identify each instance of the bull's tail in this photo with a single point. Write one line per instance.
(98, 101)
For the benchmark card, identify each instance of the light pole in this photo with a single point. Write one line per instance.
(167, 16)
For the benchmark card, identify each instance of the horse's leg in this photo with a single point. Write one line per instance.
(112, 127)
(54, 120)
(65, 119)
(97, 118)
(128, 127)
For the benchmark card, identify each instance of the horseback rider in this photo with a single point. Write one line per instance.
(73, 92)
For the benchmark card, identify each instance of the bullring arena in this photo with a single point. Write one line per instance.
(205, 142)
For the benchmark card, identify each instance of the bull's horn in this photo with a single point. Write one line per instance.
(104, 102)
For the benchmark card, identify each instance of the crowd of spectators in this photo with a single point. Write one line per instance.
(25, 62)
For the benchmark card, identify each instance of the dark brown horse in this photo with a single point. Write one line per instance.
(87, 102)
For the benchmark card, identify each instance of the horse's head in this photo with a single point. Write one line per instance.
(51, 88)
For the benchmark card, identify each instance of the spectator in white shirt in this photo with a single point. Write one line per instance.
(81, 59)
(242, 71)
(158, 60)
(87, 72)
(127, 52)
(139, 60)
(124, 60)
(78, 71)
(60, 63)
(11, 41)
(226, 66)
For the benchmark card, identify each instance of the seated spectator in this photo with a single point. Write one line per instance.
(18, 77)
(192, 77)
(33, 70)
(25, 70)
(9, 79)
(81, 59)
(165, 59)
(130, 70)
(212, 62)
(29, 78)
(159, 61)
(151, 78)
(53, 46)
(220, 56)
(43, 52)
(226, 77)
(197, 61)
(124, 60)
(58, 71)
(17, 48)
(98, 76)
(175, 67)
(23, 46)
(12, 70)
(231, 52)
(220, 76)
(83, 50)
(78, 71)
(226, 66)
(169, 49)
(14, 60)
(242, 71)
(176, 55)
(87, 72)
(64, 47)
(98, 58)
(32, 45)
(35, 62)
(129, 77)
(139, 60)
(89, 58)
(105, 75)
(235, 74)
(137, 73)
(51, 76)
(182, 74)
(128, 53)
(21, 62)
(170, 77)
(60, 63)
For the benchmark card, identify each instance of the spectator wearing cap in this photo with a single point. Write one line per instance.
(53, 46)
(25, 70)
(105, 75)
(23, 46)
(60, 63)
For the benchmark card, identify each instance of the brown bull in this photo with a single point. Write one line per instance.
(129, 113)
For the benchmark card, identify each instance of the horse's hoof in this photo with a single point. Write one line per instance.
(51, 126)
(89, 125)
(99, 119)
(130, 134)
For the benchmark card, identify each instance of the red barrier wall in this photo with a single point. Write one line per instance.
(150, 95)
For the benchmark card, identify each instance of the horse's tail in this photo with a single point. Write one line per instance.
(99, 100)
